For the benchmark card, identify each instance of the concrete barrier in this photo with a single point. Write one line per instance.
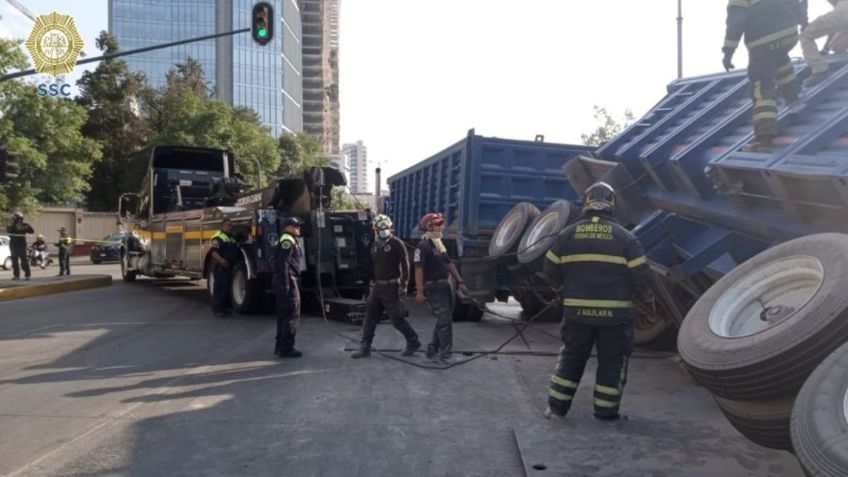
(13, 290)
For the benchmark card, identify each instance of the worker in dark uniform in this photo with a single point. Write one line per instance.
(599, 267)
(64, 244)
(224, 252)
(432, 268)
(771, 31)
(286, 289)
(17, 245)
(391, 274)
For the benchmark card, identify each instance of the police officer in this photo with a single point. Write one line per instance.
(17, 244)
(770, 28)
(599, 267)
(64, 245)
(432, 268)
(286, 289)
(225, 253)
(391, 274)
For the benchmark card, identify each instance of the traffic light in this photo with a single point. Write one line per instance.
(263, 23)
(9, 167)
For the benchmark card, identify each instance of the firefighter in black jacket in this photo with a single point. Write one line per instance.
(598, 266)
(771, 31)
(225, 253)
(286, 289)
(391, 274)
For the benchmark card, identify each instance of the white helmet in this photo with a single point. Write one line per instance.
(382, 222)
(40, 236)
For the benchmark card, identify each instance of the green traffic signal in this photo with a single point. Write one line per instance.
(262, 22)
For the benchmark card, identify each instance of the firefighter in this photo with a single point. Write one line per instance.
(833, 25)
(432, 269)
(17, 244)
(598, 266)
(64, 245)
(224, 252)
(391, 274)
(771, 31)
(286, 289)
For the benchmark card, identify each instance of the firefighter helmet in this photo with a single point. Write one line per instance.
(293, 221)
(600, 196)
(382, 222)
(429, 219)
(18, 216)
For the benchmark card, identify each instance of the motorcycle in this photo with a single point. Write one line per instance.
(39, 258)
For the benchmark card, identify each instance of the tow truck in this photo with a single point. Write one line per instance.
(188, 191)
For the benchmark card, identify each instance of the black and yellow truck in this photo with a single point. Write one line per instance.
(186, 193)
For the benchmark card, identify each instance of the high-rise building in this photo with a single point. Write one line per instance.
(321, 71)
(265, 78)
(358, 155)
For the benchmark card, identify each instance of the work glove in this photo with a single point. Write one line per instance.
(727, 61)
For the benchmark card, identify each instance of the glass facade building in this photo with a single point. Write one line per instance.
(266, 78)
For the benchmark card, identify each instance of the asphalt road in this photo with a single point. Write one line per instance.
(140, 379)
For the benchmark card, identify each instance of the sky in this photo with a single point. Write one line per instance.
(416, 75)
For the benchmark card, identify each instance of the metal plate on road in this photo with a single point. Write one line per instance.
(582, 446)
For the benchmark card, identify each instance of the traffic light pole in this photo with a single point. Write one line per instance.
(19, 74)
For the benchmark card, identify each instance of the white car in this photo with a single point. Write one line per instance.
(5, 253)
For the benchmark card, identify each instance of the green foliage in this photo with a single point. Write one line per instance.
(111, 93)
(55, 158)
(299, 151)
(607, 128)
(341, 200)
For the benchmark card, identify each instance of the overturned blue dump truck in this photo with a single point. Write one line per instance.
(748, 250)
(476, 183)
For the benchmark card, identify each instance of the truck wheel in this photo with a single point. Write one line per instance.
(7, 264)
(126, 274)
(763, 422)
(460, 310)
(652, 331)
(246, 295)
(820, 418)
(511, 228)
(542, 232)
(762, 328)
(210, 280)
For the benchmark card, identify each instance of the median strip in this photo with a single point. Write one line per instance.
(13, 290)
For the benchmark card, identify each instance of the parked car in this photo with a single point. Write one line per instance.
(108, 249)
(5, 253)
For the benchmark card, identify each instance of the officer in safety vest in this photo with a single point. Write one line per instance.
(225, 254)
(286, 289)
(64, 244)
(598, 266)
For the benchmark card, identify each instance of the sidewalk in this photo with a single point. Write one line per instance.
(38, 286)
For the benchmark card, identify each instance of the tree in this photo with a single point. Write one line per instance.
(55, 158)
(298, 152)
(111, 93)
(607, 127)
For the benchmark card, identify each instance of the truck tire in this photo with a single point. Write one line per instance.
(7, 264)
(210, 280)
(819, 423)
(653, 332)
(765, 423)
(246, 295)
(460, 310)
(511, 228)
(760, 330)
(542, 232)
(127, 275)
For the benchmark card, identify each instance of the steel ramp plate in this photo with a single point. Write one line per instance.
(582, 446)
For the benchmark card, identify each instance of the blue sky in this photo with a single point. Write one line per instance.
(417, 74)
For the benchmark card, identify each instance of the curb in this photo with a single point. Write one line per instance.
(40, 289)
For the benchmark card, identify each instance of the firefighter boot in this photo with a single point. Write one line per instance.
(762, 144)
(411, 347)
(363, 352)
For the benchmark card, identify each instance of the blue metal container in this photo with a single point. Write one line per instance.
(475, 182)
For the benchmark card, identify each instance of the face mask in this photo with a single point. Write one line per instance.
(384, 234)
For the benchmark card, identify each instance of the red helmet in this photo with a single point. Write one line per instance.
(428, 219)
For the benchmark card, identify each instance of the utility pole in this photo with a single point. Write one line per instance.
(679, 39)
